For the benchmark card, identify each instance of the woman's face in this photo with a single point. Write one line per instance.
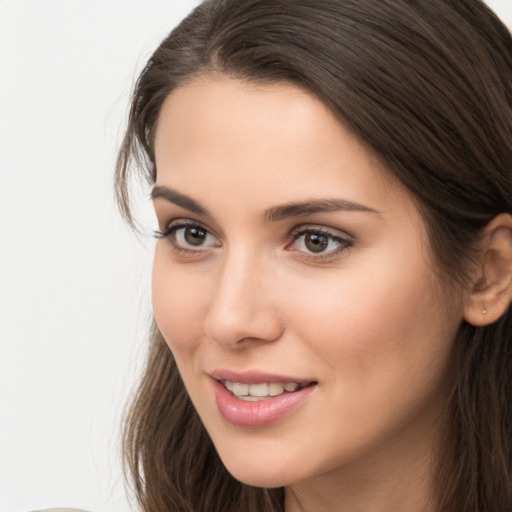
(294, 284)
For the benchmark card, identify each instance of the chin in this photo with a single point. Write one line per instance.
(260, 473)
(258, 477)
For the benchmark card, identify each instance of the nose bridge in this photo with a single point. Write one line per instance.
(241, 307)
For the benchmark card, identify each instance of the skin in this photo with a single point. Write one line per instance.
(367, 318)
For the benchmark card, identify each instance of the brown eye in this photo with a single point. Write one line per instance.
(185, 236)
(319, 242)
(194, 235)
(316, 242)
(189, 237)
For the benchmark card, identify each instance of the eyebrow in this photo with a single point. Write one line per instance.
(161, 192)
(274, 214)
(304, 208)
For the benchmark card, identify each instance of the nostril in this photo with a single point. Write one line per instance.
(247, 323)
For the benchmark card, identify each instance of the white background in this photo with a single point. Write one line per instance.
(73, 280)
(74, 283)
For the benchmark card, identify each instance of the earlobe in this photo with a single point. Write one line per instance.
(491, 294)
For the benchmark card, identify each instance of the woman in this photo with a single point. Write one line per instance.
(333, 272)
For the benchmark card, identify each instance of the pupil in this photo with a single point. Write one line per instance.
(195, 235)
(316, 243)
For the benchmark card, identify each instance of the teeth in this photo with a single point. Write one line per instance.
(275, 389)
(240, 389)
(255, 392)
(258, 389)
(249, 398)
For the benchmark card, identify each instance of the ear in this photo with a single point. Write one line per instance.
(491, 292)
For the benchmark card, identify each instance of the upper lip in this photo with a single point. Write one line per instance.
(256, 377)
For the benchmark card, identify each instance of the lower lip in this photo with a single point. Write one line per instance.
(262, 413)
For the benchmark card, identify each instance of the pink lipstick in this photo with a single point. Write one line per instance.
(255, 399)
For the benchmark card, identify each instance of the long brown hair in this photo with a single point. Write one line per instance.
(428, 84)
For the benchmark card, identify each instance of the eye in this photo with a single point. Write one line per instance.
(318, 241)
(188, 237)
(191, 235)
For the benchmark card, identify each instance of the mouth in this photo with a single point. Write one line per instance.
(255, 399)
(262, 391)
(262, 400)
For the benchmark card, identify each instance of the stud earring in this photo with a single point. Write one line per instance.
(484, 311)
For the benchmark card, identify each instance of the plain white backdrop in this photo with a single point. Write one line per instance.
(74, 282)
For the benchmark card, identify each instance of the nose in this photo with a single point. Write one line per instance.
(242, 309)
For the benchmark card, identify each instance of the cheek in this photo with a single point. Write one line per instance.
(384, 347)
(178, 303)
(378, 327)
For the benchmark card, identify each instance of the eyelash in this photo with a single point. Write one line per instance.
(344, 243)
(170, 233)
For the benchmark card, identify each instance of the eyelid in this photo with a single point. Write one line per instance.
(181, 223)
(319, 228)
(344, 240)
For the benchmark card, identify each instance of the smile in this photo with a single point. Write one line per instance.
(258, 404)
(262, 391)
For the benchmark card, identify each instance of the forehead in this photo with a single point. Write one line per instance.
(273, 140)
